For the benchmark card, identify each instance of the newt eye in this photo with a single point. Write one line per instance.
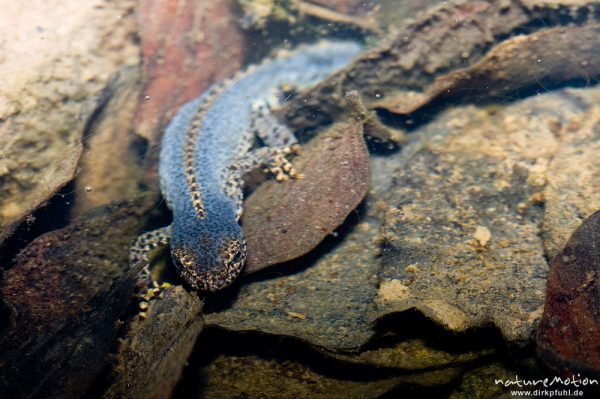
(233, 253)
(238, 257)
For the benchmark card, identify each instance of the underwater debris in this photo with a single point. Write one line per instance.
(151, 356)
(414, 354)
(70, 289)
(397, 75)
(342, 289)
(258, 14)
(252, 376)
(432, 44)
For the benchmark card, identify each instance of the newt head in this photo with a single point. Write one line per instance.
(213, 261)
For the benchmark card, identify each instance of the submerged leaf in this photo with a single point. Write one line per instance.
(283, 221)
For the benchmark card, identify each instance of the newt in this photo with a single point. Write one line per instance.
(209, 146)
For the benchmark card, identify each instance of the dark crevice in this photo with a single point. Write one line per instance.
(430, 111)
(215, 342)
(52, 216)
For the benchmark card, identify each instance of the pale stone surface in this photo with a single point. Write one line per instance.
(55, 60)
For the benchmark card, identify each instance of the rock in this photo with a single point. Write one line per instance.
(334, 292)
(413, 354)
(67, 290)
(462, 238)
(151, 356)
(570, 328)
(110, 168)
(480, 382)
(570, 195)
(45, 105)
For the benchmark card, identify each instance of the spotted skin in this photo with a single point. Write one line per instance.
(206, 150)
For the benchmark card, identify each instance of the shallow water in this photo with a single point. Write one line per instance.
(445, 171)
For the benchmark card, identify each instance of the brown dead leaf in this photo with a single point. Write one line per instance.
(549, 56)
(283, 221)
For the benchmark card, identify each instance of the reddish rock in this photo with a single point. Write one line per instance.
(186, 47)
(569, 333)
(62, 300)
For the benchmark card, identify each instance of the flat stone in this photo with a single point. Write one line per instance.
(571, 194)
(324, 299)
(462, 235)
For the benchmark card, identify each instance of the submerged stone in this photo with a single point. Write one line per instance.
(569, 332)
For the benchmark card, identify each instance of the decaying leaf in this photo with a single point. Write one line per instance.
(547, 57)
(283, 221)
